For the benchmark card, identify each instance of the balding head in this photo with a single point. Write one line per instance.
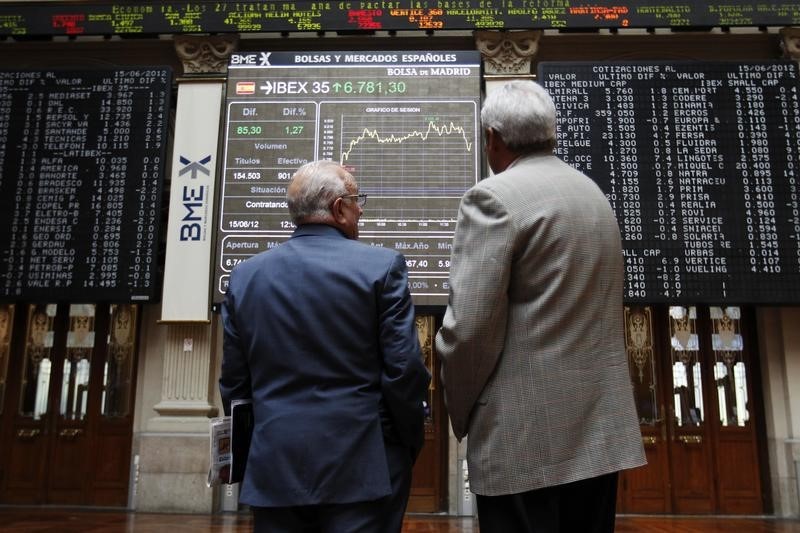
(314, 187)
(324, 192)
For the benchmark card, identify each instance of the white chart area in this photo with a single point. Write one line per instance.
(415, 160)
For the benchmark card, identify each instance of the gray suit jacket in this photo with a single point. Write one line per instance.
(532, 346)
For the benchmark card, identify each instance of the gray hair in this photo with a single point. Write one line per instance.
(523, 114)
(314, 187)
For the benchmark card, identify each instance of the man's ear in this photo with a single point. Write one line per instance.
(337, 210)
(492, 139)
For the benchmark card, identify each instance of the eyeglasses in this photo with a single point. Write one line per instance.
(361, 199)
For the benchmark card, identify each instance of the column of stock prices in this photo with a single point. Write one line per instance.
(128, 17)
(81, 165)
(701, 163)
(404, 123)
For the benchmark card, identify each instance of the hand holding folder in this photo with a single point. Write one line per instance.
(230, 443)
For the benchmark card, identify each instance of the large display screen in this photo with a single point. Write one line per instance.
(32, 18)
(82, 157)
(404, 123)
(701, 162)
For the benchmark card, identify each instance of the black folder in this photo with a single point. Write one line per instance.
(241, 433)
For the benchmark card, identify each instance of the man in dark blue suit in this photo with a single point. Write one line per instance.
(320, 333)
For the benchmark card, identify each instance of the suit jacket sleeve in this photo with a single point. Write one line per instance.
(405, 379)
(234, 381)
(472, 335)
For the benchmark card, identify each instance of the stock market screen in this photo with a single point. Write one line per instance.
(404, 123)
(701, 163)
(82, 157)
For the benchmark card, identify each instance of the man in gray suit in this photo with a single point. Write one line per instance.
(532, 347)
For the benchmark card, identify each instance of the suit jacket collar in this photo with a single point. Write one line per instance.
(318, 230)
(521, 160)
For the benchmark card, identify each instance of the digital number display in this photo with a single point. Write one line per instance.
(404, 123)
(701, 162)
(82, 157)
(36, 18)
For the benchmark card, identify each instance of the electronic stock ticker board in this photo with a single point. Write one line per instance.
(82, 157)
(124, 17)
(701, 163)
(404, 123)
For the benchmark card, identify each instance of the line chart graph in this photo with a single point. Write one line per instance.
(433, 129)
(415, 159)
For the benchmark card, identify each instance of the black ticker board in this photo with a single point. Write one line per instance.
(701, 163)
(35, 18)
(82, 158)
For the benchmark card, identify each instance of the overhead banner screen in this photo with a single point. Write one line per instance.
(129, 17)
(82, 158)
(701, 162)
(404, 123)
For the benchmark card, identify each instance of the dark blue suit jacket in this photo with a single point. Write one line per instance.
(320, 333)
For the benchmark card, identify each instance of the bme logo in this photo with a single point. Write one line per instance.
(193, 199)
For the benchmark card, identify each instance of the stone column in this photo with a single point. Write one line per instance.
(507, 54)
(174, 448)
(185, 388)
(782, 369)
(779, 354)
